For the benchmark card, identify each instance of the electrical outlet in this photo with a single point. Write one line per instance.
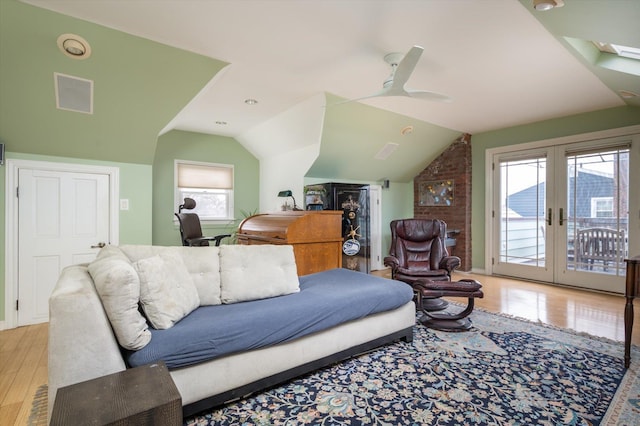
(124, 204)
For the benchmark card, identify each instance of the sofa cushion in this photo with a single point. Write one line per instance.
(202, 263)
(118, 286)
(326, 299)
(167, 291)
(250, 272)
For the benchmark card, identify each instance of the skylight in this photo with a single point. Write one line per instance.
(624, 51)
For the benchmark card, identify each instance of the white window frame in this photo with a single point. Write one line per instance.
(617, 49)
(596, 202)
(179, 197)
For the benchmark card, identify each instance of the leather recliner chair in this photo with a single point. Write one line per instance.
(419, 257)
(418, 252)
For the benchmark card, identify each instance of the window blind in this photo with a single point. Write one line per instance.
(199, 176)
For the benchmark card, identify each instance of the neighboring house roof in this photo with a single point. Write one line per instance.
(589, 185)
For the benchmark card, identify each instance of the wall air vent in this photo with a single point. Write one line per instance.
(386, 151)
(73, 93)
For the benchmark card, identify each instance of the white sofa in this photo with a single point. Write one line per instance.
(83, 346)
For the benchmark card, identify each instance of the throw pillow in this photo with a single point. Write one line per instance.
(111, 251)
(118, 286)
(250, 272)
(201, 262)
(167, 291)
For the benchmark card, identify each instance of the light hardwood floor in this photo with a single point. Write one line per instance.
(23, 350)
(23, 368)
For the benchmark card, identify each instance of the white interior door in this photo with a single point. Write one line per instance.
(63, 219)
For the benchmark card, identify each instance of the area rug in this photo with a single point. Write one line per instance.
(38, 414)
(504, 371)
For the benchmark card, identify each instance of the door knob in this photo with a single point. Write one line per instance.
(99, 245)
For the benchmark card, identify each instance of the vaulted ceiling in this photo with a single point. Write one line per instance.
(502, 62)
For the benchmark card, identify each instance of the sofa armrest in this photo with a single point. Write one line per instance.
(82, 345)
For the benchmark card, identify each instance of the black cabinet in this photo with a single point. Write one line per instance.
(353, 201)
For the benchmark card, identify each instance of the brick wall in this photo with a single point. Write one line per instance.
(454, 164)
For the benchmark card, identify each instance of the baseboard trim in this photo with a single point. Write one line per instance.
(480, 271)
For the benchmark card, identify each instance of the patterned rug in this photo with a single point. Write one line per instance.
(38, 415)
(504, 371)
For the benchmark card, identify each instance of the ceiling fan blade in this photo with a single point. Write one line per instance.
(406, 66)
(431, 96)
(403, 67)
(384, 92)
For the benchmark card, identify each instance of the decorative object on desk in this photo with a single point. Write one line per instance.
(315, 197)
(436, 193)
(288, 193)
(502, 370)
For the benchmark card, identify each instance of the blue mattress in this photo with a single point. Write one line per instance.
(325, 299)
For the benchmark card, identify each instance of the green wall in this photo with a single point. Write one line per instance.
(566, 126)
(139, 87)
(397, 203)
(206, 148)
(135, 185)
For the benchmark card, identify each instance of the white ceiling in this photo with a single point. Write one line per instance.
(281, 52)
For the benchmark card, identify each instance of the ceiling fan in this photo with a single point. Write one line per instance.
(401, 68)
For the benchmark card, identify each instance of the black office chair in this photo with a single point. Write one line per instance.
(190, 229)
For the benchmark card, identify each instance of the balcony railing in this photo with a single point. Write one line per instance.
(526, 243)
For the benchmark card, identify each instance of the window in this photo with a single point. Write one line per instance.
(210, 185)
(602, 207)
(616, 49)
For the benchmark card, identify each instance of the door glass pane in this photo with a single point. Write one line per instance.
(598, 211)
(522, 207)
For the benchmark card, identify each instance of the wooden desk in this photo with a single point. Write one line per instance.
(316, 236)
(137, 396)
(632, 290)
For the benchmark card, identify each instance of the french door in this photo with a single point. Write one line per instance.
(560, 213)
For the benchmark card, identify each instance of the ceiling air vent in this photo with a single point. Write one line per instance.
(74, 93)
(386, 151)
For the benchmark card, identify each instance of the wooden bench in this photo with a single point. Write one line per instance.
(602, 245)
